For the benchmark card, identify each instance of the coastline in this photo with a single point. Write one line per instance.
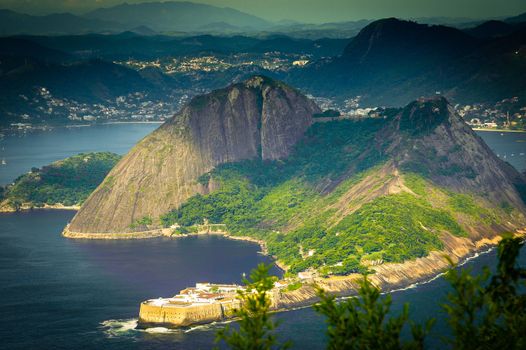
(26, 207)
(131, 122)
(114, 236)
(167, 232)
(72, 126)
(498, 130)
(388, 277)
(391, 277)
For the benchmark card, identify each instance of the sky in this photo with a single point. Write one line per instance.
(309, 11)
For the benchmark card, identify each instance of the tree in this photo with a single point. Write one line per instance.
(256, 328)
(363, 322)
(489, 313)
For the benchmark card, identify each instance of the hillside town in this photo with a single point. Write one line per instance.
(45, 108)
(506, 114)
(272, 61)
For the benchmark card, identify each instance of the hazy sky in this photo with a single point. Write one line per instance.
(313, 11)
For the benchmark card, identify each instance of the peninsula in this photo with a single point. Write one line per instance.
(64, 184)
(328, 199)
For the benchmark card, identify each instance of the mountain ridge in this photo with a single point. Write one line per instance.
(176, 16)
(392, 62)
(334, 197)
(358, 191)
(245, 120)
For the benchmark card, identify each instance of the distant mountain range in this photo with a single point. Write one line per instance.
(171, 17)
(14, 23)
(388, 63)
(178, 16)
(392, 61)
(132, 45)
(187, 18)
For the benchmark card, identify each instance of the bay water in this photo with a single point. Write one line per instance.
(57, 293)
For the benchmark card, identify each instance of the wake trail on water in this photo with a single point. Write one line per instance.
(128, 328)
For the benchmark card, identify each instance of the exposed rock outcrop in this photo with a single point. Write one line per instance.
(430, 138)
(260, 117)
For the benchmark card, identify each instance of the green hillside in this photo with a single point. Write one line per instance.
(339, 202)
(68, 182)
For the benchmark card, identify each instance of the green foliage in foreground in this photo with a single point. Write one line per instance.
(256, 327)
(68, 182)
(363, 322)
(485, 312)
(489, 312)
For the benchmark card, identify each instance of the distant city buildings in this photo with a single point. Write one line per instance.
(506, 114)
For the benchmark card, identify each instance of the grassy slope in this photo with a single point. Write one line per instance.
(68, 182)
(329, 205)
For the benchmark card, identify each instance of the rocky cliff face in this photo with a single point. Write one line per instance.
(428, 137)
(260, 117)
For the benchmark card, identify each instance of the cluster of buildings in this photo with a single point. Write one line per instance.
(202, 293)
(273, 61)
(137, 106)
(349, 108)
(505, 114)
(172, 65)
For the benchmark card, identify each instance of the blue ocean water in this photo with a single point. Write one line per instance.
(22, 151)
(57, 293)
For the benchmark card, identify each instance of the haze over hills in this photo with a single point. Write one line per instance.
(388, 63)
(14, 23)
(131, 45)
(178, 16)
(174, 17)
(391, 62)
(187, 18)
(93, 70)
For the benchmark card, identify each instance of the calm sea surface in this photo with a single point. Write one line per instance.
(22, 151)
(70, 294)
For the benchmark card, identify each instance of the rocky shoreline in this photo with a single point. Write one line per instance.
(26, 207)
(387, 276)
(393, 276)
(114, 236)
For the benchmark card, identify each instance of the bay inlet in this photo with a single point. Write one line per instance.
(60, 293)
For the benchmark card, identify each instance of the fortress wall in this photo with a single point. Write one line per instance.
(180, 316)
(230, 307)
